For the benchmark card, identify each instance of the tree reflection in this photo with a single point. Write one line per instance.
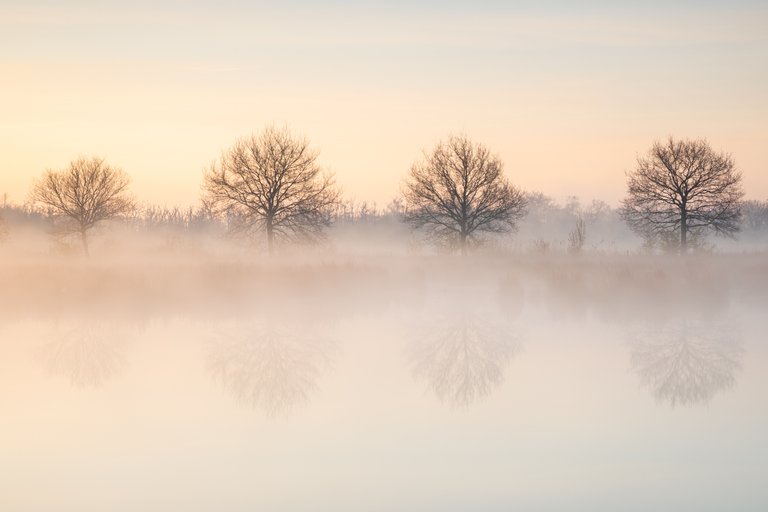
(463, 359)
(269, 367)
(687, 362)
(88, 353)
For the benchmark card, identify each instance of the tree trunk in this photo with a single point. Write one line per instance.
(684, 232)
(270, 237)
(84, 241)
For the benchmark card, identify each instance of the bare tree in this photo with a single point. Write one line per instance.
(85, 193)
(681, 189)
(578, 236)
(460, 190)
(272, 183)
(755, 215)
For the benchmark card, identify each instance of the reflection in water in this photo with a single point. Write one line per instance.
(88, 353)
(464, 359)
(687, 363)
(269, 367)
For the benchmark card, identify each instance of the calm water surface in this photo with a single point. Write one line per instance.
(444, 398)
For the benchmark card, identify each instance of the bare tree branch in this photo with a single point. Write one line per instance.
(271, 183)
(684, 188)
(86, 193)
(458, 191)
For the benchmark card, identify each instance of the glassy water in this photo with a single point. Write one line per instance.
(445, 394)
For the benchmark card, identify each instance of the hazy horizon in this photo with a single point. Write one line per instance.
(566, 94)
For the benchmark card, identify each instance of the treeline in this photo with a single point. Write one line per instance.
(549, 226)
(269, 188)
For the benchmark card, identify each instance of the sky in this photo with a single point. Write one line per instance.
(567, 94)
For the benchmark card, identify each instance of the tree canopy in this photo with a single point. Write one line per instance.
(271, 183)
(681, 189)
(85, 193)
(458, 191)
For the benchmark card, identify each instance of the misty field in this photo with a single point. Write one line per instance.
(202, 285)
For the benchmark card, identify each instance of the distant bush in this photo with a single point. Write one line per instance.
(3, 230)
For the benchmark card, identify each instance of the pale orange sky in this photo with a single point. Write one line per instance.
(567, 94)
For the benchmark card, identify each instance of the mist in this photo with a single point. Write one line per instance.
(366, 256)
(177, 367)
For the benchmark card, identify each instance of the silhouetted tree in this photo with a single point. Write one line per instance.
(755, 215)
(272, 183)
(681, 189)
(85, 193)
(578, 236)
(459, 190)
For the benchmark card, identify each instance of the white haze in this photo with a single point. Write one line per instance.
(374, 372)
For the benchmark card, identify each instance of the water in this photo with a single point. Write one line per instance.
(426, 385)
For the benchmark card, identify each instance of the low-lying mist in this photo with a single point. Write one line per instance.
(374, 356)
(464, 318)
